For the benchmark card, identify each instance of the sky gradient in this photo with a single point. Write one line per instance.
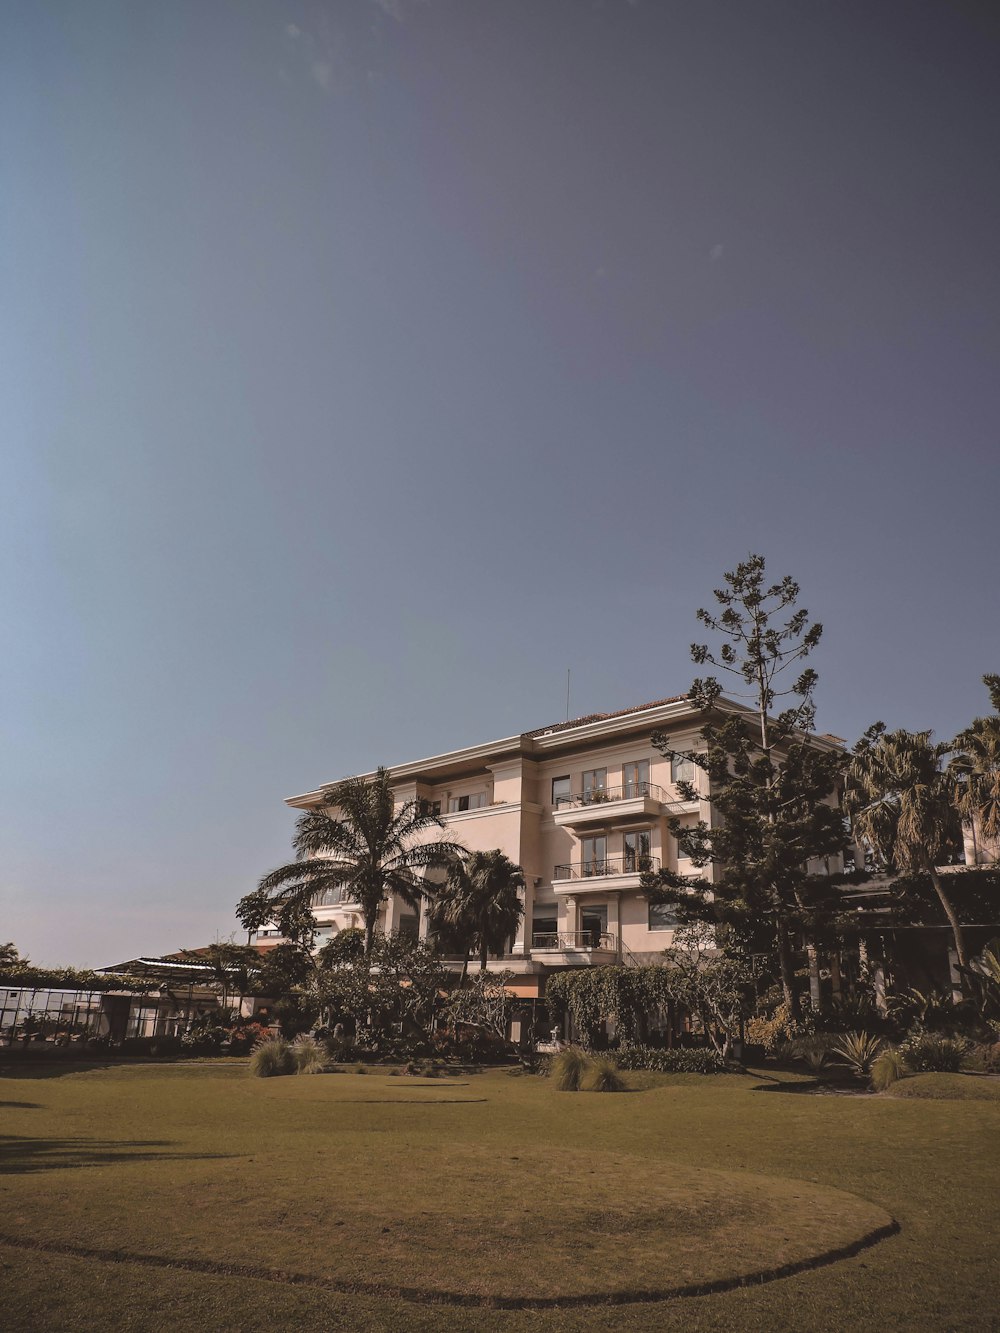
(367, 365)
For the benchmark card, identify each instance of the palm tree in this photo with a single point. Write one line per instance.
(358, 842)
(901, 804)
(479, 906)
(976, 769)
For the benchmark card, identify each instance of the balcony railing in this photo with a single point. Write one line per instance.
(630, 864)
(580, 939)
(631, 791)
(331, 897)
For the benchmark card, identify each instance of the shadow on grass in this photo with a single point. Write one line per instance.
(816, 1087)
(21, 1154)
(24, 1106)
(51, 1068)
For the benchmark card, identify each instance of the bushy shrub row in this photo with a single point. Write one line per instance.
(680, 1060)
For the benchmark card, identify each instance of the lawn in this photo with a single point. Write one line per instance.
(190, 1192)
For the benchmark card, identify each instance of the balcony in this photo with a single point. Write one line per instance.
(608, 866)
(334, 897)
(602, 805)
(574, 946)
(606, 873)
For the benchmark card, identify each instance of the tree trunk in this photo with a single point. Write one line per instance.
(949, 911)
(465, 969)
(484, 954)
(369, 937)
(787, 971)
(815, 986)
(836, 984)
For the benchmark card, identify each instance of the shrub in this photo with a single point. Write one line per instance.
(271, 1057)
(926, 1052)
(858, 1051)
(309, 1054)
(984, 1058)
(205, 1037)
(244, 1037)
(888, 1068)
(771, 1031)
(680, 1060)
(568, 1069)
(602, 1076)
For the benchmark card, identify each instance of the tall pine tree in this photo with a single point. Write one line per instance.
(772, 788)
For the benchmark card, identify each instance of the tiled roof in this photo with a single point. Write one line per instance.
(604, 717)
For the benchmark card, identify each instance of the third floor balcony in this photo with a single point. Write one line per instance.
(603, 805)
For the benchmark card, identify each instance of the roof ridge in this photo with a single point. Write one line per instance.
(605, 717)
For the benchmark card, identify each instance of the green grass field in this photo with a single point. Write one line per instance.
(162, 1196)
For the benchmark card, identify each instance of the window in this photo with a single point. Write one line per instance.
(560, 791)
(637, 848)
(594, 855)
(426, 807)
(681, 768)
(635, 779)
(662, 917)
(474, 801)
(595, 784)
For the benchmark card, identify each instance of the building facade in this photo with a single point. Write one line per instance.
(582, 807)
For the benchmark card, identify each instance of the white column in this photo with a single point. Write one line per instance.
(423, 928)
(391, 915)
(522, 940)
(615, 918)
(572, 925)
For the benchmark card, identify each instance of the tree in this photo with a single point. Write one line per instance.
(975, 768)
(486, 1004)
(10, 958)
(902, 805)
(721, 990)
(366, 847)
(401, 980)
(478, 906)
(772, 787)
(235, 969)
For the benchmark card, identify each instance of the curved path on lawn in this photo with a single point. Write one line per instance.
(466, 1300)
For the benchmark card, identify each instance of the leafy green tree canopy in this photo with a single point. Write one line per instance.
(359, 844)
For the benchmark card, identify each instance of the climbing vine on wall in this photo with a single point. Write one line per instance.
(591, 996)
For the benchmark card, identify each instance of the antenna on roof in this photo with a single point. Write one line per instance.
(567, 694)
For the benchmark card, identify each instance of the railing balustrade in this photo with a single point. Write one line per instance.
(579, 939)
(631, 791)
(330, 897)
(634, 863)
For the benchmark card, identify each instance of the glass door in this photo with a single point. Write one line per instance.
(593, 924)
(637, 850)
(593, 855)
(636, 778)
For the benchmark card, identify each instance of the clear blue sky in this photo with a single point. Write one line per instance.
(366, 365)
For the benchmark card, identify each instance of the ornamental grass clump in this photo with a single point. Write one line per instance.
(602, 1075)
(888, 1069)
(272, 1056)
(858, 1051)
(930, 1053)
(568, 1069)
(308, 1054)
